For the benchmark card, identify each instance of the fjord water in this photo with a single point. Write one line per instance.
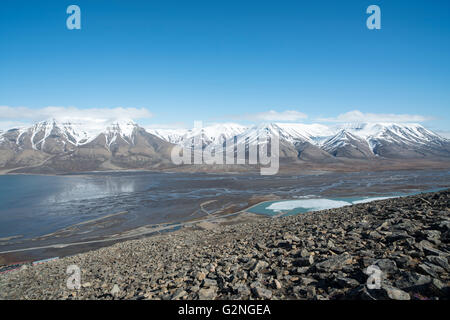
(34, 205)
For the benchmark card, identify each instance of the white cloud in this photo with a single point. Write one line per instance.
(5, 125)
(272, 115)
(174, 125)
(443, 133)
(358, 116)
(23, 116)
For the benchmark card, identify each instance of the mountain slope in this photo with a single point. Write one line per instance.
(346, 144)
(354, 141)
(50, 146)
(217, 133)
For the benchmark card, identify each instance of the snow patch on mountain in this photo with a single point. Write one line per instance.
(75, 133)
(313, 133)
(216, 133)
(123, 129)
(171, 135)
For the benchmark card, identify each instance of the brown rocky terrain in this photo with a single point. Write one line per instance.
(50, 148)
(317, 255)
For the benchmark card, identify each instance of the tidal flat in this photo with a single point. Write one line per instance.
(66, 214)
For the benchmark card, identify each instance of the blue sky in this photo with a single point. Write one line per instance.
(173, 62)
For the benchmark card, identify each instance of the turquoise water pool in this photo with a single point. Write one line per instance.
(283, 208)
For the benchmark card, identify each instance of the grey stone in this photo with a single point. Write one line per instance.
(262, 293)
(207, 293)
(396, 294)
(180, 293)
(333, 263)
(115, 290)
(304, 262)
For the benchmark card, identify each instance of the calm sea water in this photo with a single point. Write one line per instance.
(32, 205)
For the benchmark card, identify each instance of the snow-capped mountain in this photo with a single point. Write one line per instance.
(174, 136)
(206, 135)
(50, 135)
(54, 146)
(296, 141)
(62, 136)
(400, 133)
(318, 141)
(77, 146)
(347, 144)
(300, 132)
(387, 140)
(120, 131)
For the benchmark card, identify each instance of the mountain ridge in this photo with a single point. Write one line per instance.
(53, 146)
(362, 140)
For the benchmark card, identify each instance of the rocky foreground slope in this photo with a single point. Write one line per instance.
(319, 255)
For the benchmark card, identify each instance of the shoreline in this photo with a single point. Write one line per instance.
(150, 230)
(344, 165)
(145, 231)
